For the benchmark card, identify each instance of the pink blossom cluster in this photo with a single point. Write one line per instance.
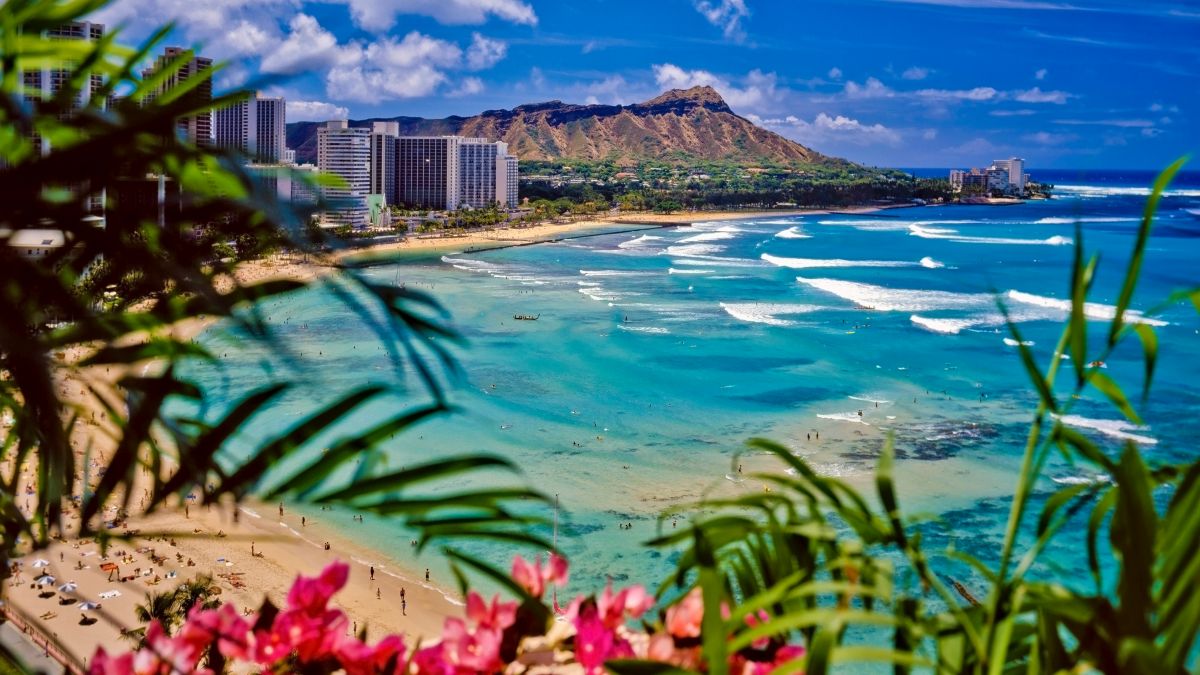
(494, 637)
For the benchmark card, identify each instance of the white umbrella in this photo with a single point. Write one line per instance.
(88, 606)
(67, 587)
(45, 580)
(40, 562)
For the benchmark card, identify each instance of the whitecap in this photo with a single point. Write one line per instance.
(693, 250)
(943, 326)
(639, 242)
(1082, 219)
(672, 270)
(756, 312)
(1112, 191)
(806, 263)
(932, 264)
(868, 399)
(918, 230)
(614, 273)
(1114, 428)
(707, 236)
(898, 299)
(793, 233)
(1081, 480)
(652, 330)
(714, 261)
(1013, 343)
(1093, 310)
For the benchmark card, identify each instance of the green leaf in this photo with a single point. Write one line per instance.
(1134, 269)
(1149, 340)
(1132, 533)
(1112, 390)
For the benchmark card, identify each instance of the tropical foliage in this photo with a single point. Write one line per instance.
(110, 301)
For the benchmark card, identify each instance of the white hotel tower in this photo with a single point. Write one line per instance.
(345, 151)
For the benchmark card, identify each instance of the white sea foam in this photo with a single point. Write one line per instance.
(1081, 480)
(897, 299)
(844, 417)
(672, 270)
(806, 263)
(775, 222)
(652, 330)
(615, 273)
(932, 264)
(1093, 310)
(1072, 221)
(868, 399)
(639, 242)
(1111, 191)
(693, 250)
(794, 232)
(1114, 428)
(601, 294)
(708, 236)
(714, 261)
(919, 230)
(944, 326)
(761, 312)
(1013, 343)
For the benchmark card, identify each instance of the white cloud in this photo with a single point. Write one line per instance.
(827, 128)
(929, 134)
(726, 15)
(915, 73)
(1036, 95)
(1023, 112)
(757, 91)
(1048, 138)
(1119, 123)
(485, 52)
(468, 87)
(872, 88)
(379, 16)
(612, 90)
(835, 73)
(1040, 74)
(976, 94)
(307, 47)
(315, 111)
(387, 69)
(1151, 132)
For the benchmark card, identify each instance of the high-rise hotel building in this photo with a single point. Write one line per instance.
(427, 173)
(195, 128)
(256, 126)
(384, 136)
(452, 172)
(345, 151)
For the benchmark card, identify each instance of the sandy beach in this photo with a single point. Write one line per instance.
(220, 545)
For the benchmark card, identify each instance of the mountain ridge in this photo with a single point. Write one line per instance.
(677, 125)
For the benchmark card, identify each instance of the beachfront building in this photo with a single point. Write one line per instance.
(997, 180)
(46, 81)
(256, 126)
(185, 66)
(1015, 167)
(345, 151)
(384, 137)
(427, 174)
(477, 159)
(506, 181)
(956, 179)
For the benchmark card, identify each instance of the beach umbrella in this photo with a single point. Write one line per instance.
(40, 562)
(88, 606)
(68, 587)
(45, 580)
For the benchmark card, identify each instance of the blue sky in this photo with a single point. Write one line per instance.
(1065, 84)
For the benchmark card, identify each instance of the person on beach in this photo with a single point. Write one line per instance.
(280, 509)
(426, 574)
(377, 594)
(303, 521)
(373, 577)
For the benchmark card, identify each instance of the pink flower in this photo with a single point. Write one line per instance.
(684, 617)
(311, 594)
(231, 631)
(498, 616)
(596, 641)
(358, 658)
(103, 664)
(633, 601)
(533, 577)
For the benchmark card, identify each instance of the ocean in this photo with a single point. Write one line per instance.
(657, 353)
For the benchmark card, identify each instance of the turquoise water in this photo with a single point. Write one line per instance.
(658, 353)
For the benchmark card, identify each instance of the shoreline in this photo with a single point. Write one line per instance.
(219, 542)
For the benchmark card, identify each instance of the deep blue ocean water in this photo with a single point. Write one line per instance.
(658, 353)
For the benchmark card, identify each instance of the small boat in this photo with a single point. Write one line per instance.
(526, 317)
